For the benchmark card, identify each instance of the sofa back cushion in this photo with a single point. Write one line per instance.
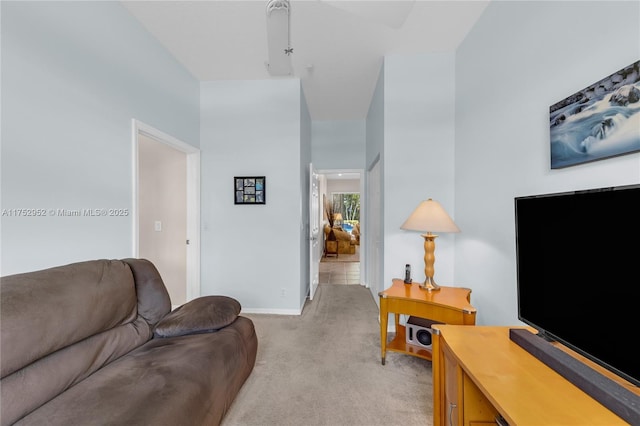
(59, 325)
(153, 298)
(47, 310)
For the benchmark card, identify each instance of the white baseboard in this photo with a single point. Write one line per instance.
(272, 311)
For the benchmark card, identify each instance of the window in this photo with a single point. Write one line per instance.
(348, 205)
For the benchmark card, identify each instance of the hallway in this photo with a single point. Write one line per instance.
(341, 273)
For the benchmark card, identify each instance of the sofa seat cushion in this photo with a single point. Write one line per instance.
(201, 315)
(346, 247)
(184, 380)
(49, 376)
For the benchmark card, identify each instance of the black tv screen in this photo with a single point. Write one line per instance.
(578, 272)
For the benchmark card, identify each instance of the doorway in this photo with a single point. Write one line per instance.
(345, 181)
(166, 209)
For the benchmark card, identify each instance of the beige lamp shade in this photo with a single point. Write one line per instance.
(337, 216)
(429, 216)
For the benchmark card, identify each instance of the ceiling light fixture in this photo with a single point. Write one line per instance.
(278, 38)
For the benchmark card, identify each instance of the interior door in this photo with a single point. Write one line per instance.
(314, 231)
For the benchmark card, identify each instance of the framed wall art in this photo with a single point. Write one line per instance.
(249, 190)
(600, 121)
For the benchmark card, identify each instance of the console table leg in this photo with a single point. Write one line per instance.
(384, 318)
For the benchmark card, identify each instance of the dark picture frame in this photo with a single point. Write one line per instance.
(249, 190)
(600, 121)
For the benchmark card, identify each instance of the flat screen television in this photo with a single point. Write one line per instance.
(578, 272)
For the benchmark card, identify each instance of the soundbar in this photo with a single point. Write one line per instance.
(612, 395)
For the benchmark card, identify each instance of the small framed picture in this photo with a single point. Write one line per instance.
(249, 190)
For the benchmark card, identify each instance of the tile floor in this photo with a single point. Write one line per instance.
(343, 273)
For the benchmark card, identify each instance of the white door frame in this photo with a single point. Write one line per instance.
(193, 200)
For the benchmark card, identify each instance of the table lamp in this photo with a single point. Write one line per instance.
(429, 217)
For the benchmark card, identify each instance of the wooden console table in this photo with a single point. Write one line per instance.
(449, 305)
(479, 375)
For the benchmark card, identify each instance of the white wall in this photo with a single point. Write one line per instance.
(252, 252)
(418, 159)
(518, 60)
(342, 185)
(74, 74)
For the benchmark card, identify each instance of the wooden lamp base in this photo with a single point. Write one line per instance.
(429, 259)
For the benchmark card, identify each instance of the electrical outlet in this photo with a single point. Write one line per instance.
(283, 292)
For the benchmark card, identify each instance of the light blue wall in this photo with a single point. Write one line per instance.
(305, 176)
(375, 122)
(338, 144)
(74, 74)
(71, 83)
(519, 59)
(419, 94)
(252, 252)
(374, 156)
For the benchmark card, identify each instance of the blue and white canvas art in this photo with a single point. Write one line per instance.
(600, 121)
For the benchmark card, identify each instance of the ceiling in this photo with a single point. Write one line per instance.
(338, 46)
(342, 176)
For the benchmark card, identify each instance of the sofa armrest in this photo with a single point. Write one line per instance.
(202, 315)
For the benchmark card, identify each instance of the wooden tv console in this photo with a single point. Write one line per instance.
(479, 375)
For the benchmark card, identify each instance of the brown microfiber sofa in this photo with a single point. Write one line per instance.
(95, 343)
(346, 244)
(356, 233)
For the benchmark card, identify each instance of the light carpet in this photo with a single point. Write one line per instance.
(323, 368)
